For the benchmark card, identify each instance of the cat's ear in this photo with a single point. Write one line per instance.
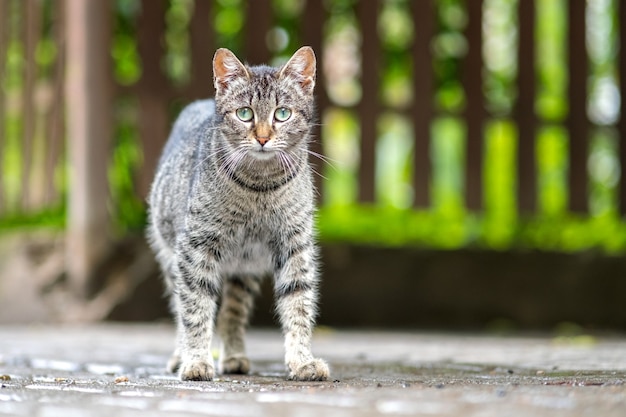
(226, 68)
(301, 67)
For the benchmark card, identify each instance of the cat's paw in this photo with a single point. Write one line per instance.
(236, 365)
(314, 370)
(196, 370)
(173, 364)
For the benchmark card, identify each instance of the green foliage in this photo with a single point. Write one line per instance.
(177, 59)
(228, 23)
(127, 68)
(126, 62)
(500, 217)
(12, 163)
(551, 165)
(129, 210)
(551, 60)
(449, 47)
(51, 218)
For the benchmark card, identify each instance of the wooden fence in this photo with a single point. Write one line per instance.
(32, 120)
(36, 137)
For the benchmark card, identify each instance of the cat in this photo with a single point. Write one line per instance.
(233, 201)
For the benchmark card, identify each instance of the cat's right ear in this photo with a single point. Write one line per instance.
(226, 68)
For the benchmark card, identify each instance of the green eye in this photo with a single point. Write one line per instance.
(245, 114)
(282, 114)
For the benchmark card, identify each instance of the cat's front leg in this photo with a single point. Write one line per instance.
(296, 302)
(197, 291)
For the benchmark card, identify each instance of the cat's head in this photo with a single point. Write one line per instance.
(265, 110)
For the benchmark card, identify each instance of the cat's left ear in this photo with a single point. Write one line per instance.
(301, 67)
(226, 68)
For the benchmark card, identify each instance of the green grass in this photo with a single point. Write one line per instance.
(381, 226)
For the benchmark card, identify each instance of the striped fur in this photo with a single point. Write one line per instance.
(232, 202)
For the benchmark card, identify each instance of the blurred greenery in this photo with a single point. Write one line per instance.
(393, 220)
(128, 209)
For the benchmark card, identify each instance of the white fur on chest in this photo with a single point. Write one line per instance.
(248, 257)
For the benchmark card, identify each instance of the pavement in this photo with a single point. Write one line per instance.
(118, 370)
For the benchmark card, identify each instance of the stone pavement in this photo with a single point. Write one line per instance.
(118, 370)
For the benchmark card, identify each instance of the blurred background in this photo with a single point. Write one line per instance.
(471, 175)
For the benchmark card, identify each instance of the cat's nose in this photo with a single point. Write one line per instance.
(262, 140)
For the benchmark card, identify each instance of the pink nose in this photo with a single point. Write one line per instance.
(262, 140)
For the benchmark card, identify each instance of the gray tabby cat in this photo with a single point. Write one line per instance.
(232, 201)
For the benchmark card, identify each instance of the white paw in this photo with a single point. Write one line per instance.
(314, 370)
(196, 370)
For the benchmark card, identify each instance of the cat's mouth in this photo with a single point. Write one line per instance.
(263, 152)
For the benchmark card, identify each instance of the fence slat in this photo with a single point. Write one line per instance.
(423, 13)
(202, 46)
(152, 90)
(89, 126)
(475, 111)
(577, 122)
(525, 110)
(55, 115)
(4, 39)
(30, 34)
(258, 22)
(368, 108)
(312, 35)
(621, 125)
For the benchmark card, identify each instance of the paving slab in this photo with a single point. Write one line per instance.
(118, 370)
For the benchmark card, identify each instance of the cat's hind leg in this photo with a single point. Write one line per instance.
(173, 364)
(166, 259)
(237, 302)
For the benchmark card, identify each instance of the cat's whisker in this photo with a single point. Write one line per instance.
(319, 174)
(280, 155)
(238, 158)
(232, 160)
(221, 155)
(327, 160)
(287, 163)
(211, 156)
(321, 157)
(281, 161)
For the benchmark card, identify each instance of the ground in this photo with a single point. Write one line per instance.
(114, 369)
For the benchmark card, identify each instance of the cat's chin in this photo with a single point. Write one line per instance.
(263, 154)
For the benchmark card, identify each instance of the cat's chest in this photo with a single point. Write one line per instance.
(249, 254)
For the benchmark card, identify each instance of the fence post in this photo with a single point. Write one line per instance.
(4, 41)
(89, 126)
(152, 90)
(475, 110)
(525, 110)
(621, 125)
(30, 28)
(259, 22)
(312, 35)
(423, 109)
(577, 122)
(55, 123)
(202, 47)
(368, 109)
